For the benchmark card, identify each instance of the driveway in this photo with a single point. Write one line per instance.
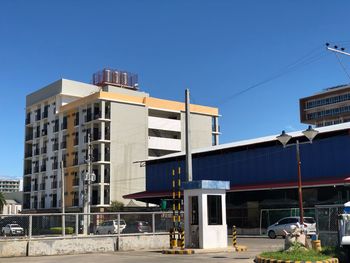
(255, 246)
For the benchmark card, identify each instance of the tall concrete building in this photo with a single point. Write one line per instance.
(331, 106)
(125, 125)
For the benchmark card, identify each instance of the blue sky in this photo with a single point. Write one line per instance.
(215, 48)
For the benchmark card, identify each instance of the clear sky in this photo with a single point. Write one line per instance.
(217, 49)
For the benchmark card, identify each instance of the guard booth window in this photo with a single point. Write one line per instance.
(194, 211)
(214, 210)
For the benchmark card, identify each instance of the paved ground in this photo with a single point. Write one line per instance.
(255, 245)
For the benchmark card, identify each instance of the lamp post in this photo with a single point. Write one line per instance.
(310, 133)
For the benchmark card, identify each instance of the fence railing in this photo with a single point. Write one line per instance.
(117, 223)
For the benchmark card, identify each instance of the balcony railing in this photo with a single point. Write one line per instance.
(43, 168)
(107, 179)
(63, 145)
(42, 186)
(43, 132)
(55, 128)
(54, 185)
(55, 147)
(96, 136)
(45, 114)
(38, 117)
(76, 121)
(64, 126)
(29, 137)
(28, 154)
(27, 121)
(75, 202)
(43, 150)
(28, 171)
(36, 151)
(54, 166)
(75, 181)
(36, 169)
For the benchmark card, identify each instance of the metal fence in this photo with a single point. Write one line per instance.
(51, 225)
(271, 216)
(327, 218)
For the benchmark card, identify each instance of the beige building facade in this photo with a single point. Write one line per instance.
(125, 126)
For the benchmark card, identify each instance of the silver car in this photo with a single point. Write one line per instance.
(286, 224)
(110, 227)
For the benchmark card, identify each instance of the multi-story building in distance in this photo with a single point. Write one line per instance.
(9, 185)
(331, 106)
(125, 125)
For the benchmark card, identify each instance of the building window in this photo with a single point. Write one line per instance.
(213, 139)
(214, 210)
(194, 210)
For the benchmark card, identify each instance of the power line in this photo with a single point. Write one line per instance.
(305, 60)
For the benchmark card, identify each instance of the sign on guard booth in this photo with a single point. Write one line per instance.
(205, 214)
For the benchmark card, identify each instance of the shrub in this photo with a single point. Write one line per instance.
(58, 230)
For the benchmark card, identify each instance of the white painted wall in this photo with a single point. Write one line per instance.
(164, 143)
(164, 124)
(210, 236)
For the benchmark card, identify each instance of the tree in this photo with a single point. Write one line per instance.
(2, 201)
(116, 206)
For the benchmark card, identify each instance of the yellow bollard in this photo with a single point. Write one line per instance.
(316, 245)
(234, 236)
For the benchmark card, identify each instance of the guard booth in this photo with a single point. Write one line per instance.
(205, 214)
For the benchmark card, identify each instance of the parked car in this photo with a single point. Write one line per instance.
(110, 227)
(12, 230)
(286, 224)
(138, 227)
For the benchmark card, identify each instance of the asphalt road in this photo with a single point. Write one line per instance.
(255, 246)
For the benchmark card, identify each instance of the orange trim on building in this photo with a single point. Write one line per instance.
(146, 101)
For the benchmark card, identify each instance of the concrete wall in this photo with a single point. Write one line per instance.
(201, 135)
(80, 245)
(129, 140)
(143, 242)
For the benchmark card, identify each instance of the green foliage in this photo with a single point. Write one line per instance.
(58, 230)
(298, 253)
(116, 206)
(2, 201)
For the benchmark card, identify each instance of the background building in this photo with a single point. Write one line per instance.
(125, 125)
(331, 106)
(9, 185)
(263, 175)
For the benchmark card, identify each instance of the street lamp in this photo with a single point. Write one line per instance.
(310, 133)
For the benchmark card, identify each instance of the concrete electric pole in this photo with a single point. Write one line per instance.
(89, 177)
(63, 199)
(188, 139)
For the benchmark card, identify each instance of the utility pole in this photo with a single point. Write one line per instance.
(63, 200)
(188, 138)
(336, 50)
(89, 176)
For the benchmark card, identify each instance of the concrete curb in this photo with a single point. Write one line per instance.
(259, 259)
(178, 252)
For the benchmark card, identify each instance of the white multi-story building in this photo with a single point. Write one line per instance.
(125, 125)
(9, 185)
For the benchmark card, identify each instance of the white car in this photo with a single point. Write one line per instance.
(12, 229)
(286, 224)
(110, 227)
